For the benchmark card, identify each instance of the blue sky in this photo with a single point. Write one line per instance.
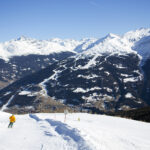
(45, 19)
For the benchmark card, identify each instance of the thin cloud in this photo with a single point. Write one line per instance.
(93, 3)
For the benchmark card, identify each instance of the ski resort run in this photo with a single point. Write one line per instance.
(80, 131)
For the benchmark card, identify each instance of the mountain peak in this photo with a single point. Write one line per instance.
(108, 44)
(111, 35)
(22, 38)
(137, 34)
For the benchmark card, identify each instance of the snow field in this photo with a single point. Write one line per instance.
(109, 133)
(78, 132)
(32, 133)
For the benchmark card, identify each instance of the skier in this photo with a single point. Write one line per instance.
(12, 120)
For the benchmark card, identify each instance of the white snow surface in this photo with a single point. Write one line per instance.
(25, 92)
(26, 46)
(132, 79)
(80, 131)
(129, 95)
(137, 41)
(81, 90)
(28, 93)
(91, 76)
(5, 105)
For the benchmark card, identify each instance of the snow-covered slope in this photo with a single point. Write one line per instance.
(110, 44)
(130, 42)
(98, 69)
(85, 44)
(26, 46)
(92, 132)
(98, 83)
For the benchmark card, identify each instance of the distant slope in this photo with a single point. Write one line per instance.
(23, 56)
(109, 83)
(108, 74)
(142, 114)
(133, 41)
(24, 46)
(19, 66)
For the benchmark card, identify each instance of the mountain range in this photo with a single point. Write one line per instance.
(106, 74)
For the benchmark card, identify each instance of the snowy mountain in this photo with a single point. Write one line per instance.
(111, 83)
(24, 56)
(20, 66)
(100, 75)
(137, 42)
(92, 132)
(133, 41)
(24, 46)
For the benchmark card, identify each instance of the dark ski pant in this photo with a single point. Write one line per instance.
(10, 125)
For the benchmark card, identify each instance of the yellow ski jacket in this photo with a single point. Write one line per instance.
(12, 118)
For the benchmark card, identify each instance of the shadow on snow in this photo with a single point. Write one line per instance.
(65, 131)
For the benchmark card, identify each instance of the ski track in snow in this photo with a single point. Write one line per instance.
(92, 62)
(9, 101)
(70, 135)
(110, 133)
(44, 91)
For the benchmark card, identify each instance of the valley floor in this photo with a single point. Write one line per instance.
(78, 132)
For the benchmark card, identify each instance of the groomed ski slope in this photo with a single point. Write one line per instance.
(92, 132)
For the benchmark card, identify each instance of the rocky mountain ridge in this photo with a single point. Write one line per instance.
(103, 74)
